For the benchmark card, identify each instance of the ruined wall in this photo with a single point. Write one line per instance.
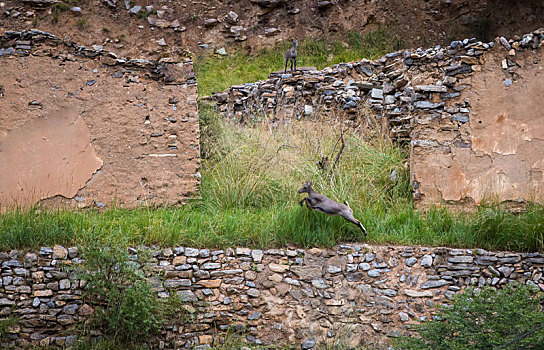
(86, 127)
(278, 296)
(498, 153)
(471, 112)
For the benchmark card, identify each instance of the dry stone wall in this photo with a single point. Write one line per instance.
(363, 293)
(84, 127)
(470, 112)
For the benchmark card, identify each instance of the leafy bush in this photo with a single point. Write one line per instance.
(510, 318)
(126, 309)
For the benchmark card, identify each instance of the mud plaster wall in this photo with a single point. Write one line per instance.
(92, 129)
(498, 154)
(359, 293)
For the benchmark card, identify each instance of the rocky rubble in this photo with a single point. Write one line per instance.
(271, 296)
(29, 42)
(401, 89)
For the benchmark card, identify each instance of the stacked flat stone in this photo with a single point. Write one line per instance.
(400, 89)
(39, 43)
(293, 296)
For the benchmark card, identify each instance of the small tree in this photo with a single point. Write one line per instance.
(510, 318)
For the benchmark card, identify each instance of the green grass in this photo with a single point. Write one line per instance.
(249, 194)
(275, 226)
(216, 73)
(6, 323)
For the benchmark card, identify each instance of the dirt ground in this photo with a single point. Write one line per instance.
(196, 27)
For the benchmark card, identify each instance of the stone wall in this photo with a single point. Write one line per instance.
(363, 293)
(470, 111)
(495, 150)
(84, 127)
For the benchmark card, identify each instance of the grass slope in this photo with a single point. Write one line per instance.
(216, 73)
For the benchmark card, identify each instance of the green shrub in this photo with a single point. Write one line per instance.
(510, 318)
(105, 344)
(126, 309)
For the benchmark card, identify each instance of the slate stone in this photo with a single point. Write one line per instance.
(411, 261)
(427, 260)
(434, 284)
(308, 344)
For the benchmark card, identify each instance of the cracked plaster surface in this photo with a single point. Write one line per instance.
(505, 160)
(46, 157)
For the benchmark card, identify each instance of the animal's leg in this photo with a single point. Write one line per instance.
(308, 205)
(361, 227)
(285, 70)
(351, 219)
(295, 64)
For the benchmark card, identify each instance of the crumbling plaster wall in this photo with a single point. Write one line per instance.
(87, 128)
(498, 154)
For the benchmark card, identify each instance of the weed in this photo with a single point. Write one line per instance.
(55, 17)
(193, 17)
(82, 23)
(6, 324)
(60, 7)
(57, 9)
(106, 344)
(105, 30)
(144, 13)
(214, 135)
(235, 340)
